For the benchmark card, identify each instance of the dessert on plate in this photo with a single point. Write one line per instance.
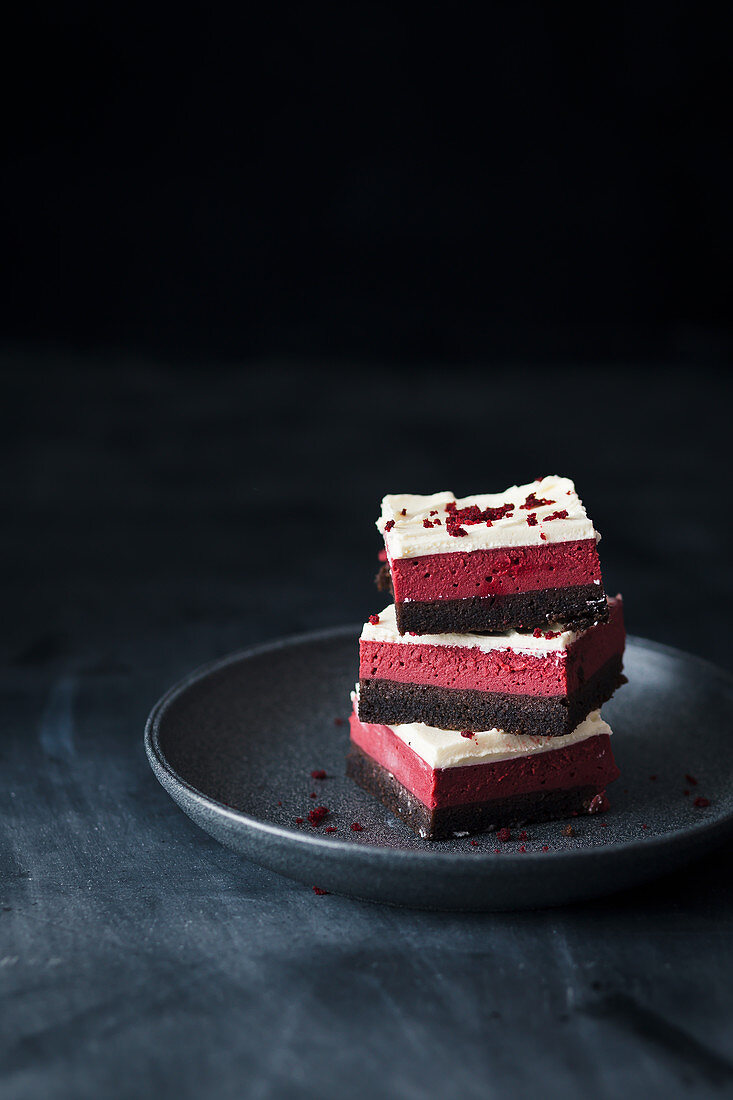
(542, 682)
(519, 559)
(442, 783)
(479, 690)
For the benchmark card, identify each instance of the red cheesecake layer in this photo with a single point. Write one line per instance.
(558, 672)
(439, 823)
(499, 572)
(587, 764)
(462, 668)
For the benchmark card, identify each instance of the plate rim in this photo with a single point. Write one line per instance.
(166, 774)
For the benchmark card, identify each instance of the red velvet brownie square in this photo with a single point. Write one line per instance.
(442, 783)
(540, 683)
(521, 559)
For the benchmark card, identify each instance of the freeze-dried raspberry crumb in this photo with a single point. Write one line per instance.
(382, 555)
(356, 827)
(317, 890)
(403, 512)
(438, 522)
(568, 831)
(330, 829)
(545, 847)
(598, 804)
(374, 620)
(388, 525)
(523, 835)
(318, 773)
(457, 532)
(489, 514)
(543, 536)
(427, 523)
(522, 848)
(533, 502)
(557, 515)
(691, 780)
(434, 512)
(473, 514)
(299, 821)
(531, 520)
(316, 816)
(504, 834)
(313, 795)
(474, 842)
(701, 802)
(536, 633)
(549, 634)
(339, 721)
(466, 733)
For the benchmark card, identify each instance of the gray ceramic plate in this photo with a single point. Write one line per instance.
(235, 743)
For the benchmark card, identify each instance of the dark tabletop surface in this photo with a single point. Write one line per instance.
(156, 517)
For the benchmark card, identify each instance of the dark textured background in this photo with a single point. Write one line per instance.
(261, 271)
(359, 181)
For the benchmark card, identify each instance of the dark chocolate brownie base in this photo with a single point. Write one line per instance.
(390, 703)
(473, 817)
(575, 606)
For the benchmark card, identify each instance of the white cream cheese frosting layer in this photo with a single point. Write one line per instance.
(449, 749)
(385, 631)
(409, 538)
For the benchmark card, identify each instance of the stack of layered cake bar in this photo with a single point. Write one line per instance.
(480, 687)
